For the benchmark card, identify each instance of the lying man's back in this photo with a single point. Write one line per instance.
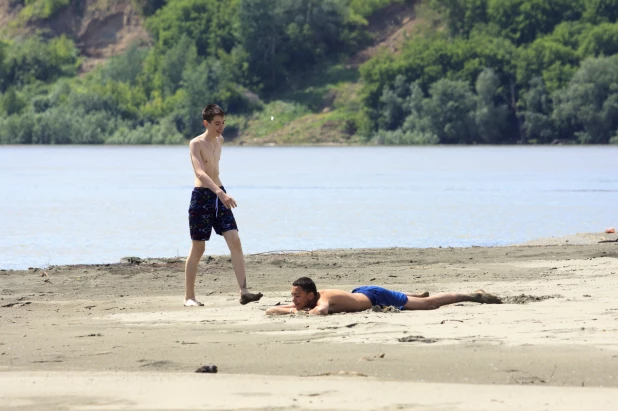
(339, 301)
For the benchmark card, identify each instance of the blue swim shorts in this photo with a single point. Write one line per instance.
(383, 297)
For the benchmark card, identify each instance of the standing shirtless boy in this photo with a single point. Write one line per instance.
(211, 207)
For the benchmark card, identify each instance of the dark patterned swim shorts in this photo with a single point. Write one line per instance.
(206, 212)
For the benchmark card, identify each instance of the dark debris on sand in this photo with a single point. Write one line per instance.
(524, 298)
(417, 338)
(387, 309)
(212, 369)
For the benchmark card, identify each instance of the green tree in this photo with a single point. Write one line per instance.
(461, 16)
(178, 59)
(211, 24)
(114, 98)
(423, 59)
(427, 59)
(447, 116)
(554, 62)
(588, 106)
(365, 8)
(149, 7)
(41, 9)
(284, 38)
(16, 129)
(538, 125)
(492, 114)
(451, 108)
(522, 21)
(210, 82)
(150, 133)
(262, 34)
(569, 33)
(601, 40)
(418, 127)
(35, 59)
(600, 11)
(11, 102)
(393, 104)
(126, 67)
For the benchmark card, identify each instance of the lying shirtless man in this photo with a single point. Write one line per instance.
(306, 298)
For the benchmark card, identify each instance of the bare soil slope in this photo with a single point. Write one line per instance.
(100, 29)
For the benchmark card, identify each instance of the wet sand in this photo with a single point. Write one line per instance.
(116, 336)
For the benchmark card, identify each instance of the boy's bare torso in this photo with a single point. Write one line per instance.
(343, 301)
(210, 154)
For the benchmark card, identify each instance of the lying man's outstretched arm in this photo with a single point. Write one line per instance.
(281, 309)
(320, 309)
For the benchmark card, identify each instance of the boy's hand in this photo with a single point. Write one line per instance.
(228, 201)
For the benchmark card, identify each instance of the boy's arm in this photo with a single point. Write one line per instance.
(281, 310)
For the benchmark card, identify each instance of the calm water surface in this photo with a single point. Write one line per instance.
(76, 204)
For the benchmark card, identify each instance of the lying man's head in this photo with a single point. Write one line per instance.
(304, 293)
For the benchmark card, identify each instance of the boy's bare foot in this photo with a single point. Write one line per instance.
(247, 297)
(192, 302)
(480, 296)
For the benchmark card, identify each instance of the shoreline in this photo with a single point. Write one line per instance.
(573, 240)
(101, 327)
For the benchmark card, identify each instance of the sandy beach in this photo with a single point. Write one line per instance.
(116, 336)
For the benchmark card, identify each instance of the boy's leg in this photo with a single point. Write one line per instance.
(197, 250)
(438, 300)
(238, 263)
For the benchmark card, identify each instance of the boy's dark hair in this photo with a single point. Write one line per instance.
(306, 284)
(211, 111)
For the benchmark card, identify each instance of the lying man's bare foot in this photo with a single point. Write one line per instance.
(480, 296)
(192, 302)
(247, 297)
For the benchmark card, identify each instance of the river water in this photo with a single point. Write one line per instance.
(96, 204)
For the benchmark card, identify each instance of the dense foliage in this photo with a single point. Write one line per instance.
(503, 71)
(38, 9)
(480, 71)
(227, 52)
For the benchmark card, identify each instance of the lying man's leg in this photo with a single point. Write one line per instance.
(423, 295)
(438, 300)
